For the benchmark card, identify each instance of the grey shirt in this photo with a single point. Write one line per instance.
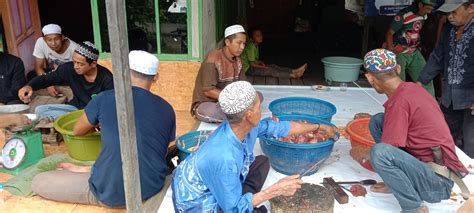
(454, 60)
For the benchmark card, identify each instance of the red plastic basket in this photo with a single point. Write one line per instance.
(359, 133)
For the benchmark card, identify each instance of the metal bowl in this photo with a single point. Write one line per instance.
(14, 108)
(34, 120)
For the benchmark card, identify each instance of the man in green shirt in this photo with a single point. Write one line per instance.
(252, 64)
(403, 38)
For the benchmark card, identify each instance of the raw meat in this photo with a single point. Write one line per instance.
(306, 138)
(358, 190)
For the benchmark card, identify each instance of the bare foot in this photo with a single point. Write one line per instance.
(423, 209)
(73, 167)
(380, 188)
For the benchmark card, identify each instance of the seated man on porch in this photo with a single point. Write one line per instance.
(417, 148)
(85, 77)
(52, 50)
(255, 67)
(102, 184)
(12, 78)
(224, 173)
(221, 67)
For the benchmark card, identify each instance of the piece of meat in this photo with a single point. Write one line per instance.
(358, 190)
(306, 138)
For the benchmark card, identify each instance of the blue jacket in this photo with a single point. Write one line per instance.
(212, 177)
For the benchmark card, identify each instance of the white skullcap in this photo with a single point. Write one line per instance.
(237, 97)
(233, 30)
(143, 62)
(51, 29)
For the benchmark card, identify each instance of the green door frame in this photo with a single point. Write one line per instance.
(195, 52)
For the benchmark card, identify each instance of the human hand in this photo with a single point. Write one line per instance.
(25, 94)
(330, 131)
(52, 91)
(11, 120)
(472, 109)
(288, 186)
(419, 83)
(19, 120)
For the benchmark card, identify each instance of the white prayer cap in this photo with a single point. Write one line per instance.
(233, 30)
(143, 62)
(237, 97)
(51, 29)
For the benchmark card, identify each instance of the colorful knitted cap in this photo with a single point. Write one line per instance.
(380, 61)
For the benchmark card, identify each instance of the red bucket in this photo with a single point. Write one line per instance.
(359, 133)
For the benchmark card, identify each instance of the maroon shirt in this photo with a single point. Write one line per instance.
(414, 121)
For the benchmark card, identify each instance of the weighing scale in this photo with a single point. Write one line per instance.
(22, 150)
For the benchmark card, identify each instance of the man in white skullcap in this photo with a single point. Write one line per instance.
(223, 174)
(83, 75)
(221, 67)
(102, 184)
(52, 50)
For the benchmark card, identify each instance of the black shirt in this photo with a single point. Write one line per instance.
(81, 88)
(12, 77)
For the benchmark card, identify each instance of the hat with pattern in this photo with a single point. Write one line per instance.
(237, 97)
(88, 50)
(380, 61)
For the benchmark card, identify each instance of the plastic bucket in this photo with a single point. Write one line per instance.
(359, 133)
(289, 158)
(341, 69)
(85, 148)
(303, 106)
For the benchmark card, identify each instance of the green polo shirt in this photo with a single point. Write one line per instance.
(249, 55)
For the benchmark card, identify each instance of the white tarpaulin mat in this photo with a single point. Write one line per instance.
(340, 165)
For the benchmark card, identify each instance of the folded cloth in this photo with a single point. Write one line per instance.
(20, 185)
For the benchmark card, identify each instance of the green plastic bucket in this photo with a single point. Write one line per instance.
(341, 69)
(85, 148)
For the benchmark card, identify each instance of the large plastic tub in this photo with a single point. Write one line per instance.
(290, 158)
(303, 106)
(87, 147)
(341, 69)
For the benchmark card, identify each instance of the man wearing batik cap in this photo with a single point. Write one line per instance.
(52, 50)
(224, 173)
(102, 184)
(85, 77)
(403, 38)
(453, 58)
(410, 136)
(221, 67)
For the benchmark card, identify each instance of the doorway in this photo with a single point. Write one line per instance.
(74, 17)
(304, 31)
